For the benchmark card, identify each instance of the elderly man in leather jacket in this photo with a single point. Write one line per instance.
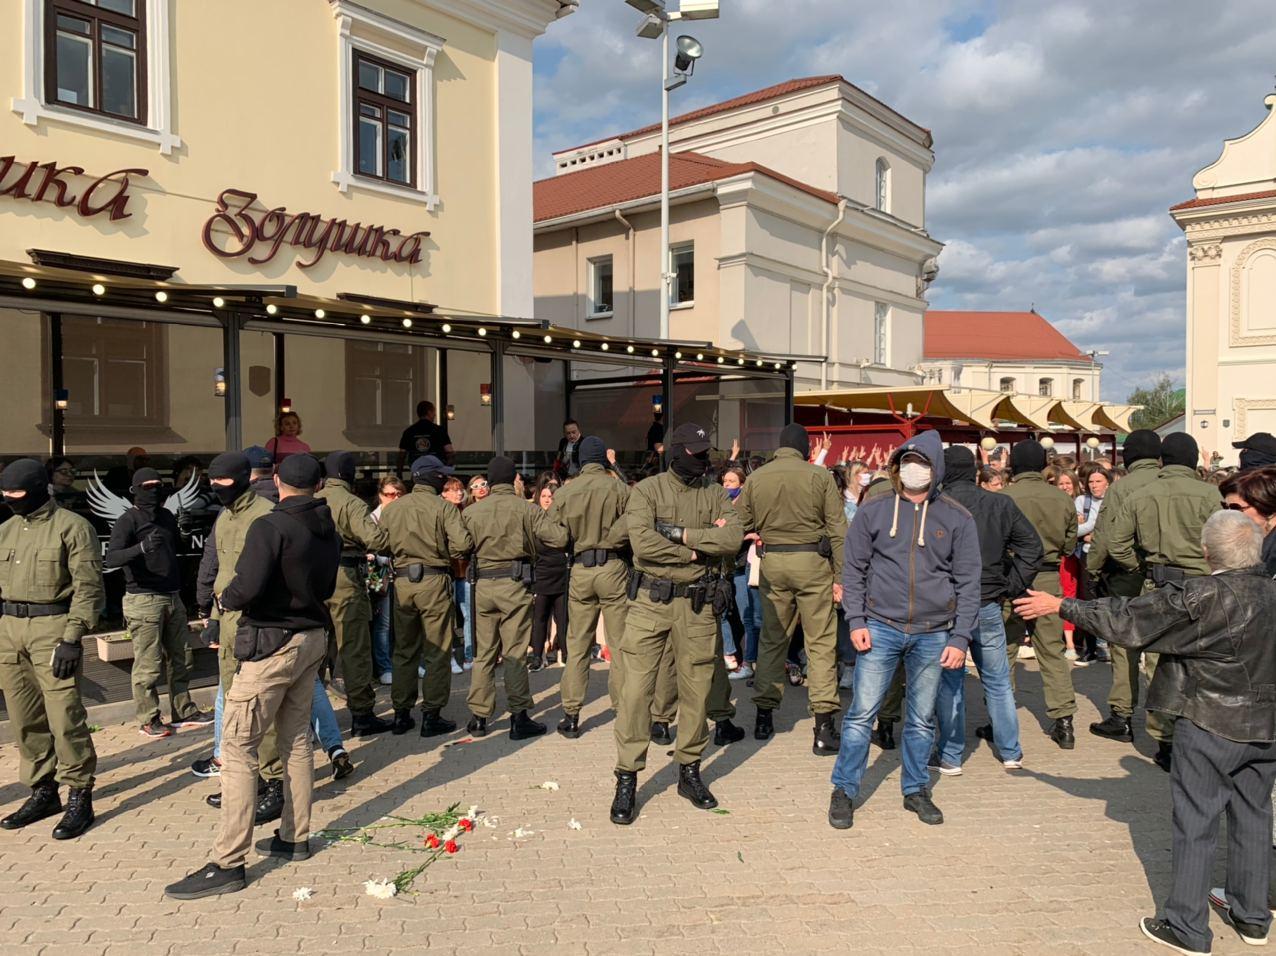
(1218, 679)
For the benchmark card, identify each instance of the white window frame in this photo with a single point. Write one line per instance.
(591, 301)
(158, 129)
(1078, 387)
(1048, 384)
(1007, 380)
(882, 185)
(362, 29)
(674, 249)
(881, 333)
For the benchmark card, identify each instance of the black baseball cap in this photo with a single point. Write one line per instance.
(429, 463)
(1262, 442)
(691, 437)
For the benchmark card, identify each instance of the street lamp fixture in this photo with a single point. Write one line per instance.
(689, 50)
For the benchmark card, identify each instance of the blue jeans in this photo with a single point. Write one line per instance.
(382, 643)
(746, 599)
(467, 626)
(217, 723)
(322, 717)
(989, 651)
(874, 671)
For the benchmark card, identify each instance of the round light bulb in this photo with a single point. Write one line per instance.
(575, 343)
(516, 334)
(482, 331)
(320, 313)
(987, 443)
(272, 310)
(407, 323)
(655, 352)
(219, 302)
(629, 349)
(28, 283)
(365, 319)
(739, 361)
(677, 355)
(1092, 442)
(721, 360)
(605, 347)
(446, 328)
(99, 289)
(549, 339)
(161, 296)
(699, 356)
(1047, 442)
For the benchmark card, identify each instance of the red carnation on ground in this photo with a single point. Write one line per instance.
(432, 842)
(465, 824)
(450, 846)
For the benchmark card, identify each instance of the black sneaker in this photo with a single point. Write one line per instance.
(279, 847)
(884, 734)
(206, 767)
(1159, 931)
(921, 804)
(1250, 933)
(535, 662)
(477, 726)
(156, 729)
(212, 880)
(841, 810)
(342, 766)
(1114, 727)
(196, 718)
(660, 734)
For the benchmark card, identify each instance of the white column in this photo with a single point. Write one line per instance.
(512, 258)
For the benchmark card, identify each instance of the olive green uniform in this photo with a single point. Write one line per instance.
(790, 502)
(229, 532)
(349, 605)
(651, 625)
(505, 528)
(1054, 516)
(423, 529)
(664, 705)
(51, 556)
(591, 509)
(1119, 582)
(1155, 531)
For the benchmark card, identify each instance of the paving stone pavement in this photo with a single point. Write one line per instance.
(1063, 857)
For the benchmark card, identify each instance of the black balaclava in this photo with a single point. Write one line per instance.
(1140, 445)
(25, 474)
(340, 464)
(232, 465)
(1027, 455)
(688, 468)
(1180, 449)
(593, 451)
(794, 436)
(959, 464)
(431, 478)
(145, 499)
(500, 471)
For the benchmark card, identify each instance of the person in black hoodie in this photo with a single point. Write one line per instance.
(283, 579)
(1011, 553)
(144, 543)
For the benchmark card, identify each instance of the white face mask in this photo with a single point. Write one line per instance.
(914, 476)
(848, 495)
(865, 478)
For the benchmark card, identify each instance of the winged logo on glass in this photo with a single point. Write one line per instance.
(108, 506)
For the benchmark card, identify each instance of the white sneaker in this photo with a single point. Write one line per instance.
(1013, 764)
(1070, 654)
(456, 668)
(1026, 653)
(468, 665)
(743, 672)
(387, 678)
(847, 680)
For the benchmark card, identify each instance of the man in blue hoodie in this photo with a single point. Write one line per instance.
(910, 589)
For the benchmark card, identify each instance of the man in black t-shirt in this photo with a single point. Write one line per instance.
(424, 437)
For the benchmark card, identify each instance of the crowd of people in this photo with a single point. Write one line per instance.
(879, 574)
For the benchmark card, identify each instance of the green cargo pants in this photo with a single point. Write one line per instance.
(795, 586)
(46, 714)
(591, 592)
(503, 626)
(423, 616)
(269, 764)
(664, 706)
(1124, 696)
(157, 625)
(649, 628)
(352, 623)
(1048, 645)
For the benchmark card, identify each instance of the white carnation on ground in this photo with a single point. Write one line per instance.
(574, 824)
(521, 832)
(451, 833)
(381, 889)
(551, 785)
(302, 893)
(474, 812)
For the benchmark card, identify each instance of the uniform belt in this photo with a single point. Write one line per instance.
(34, 609)
(811, 546)
(646, 580)
(594, 557)
(426, 570)
(491, 571)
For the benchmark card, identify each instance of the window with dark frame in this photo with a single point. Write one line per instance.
(384, 120)
(383, 383)
(95, 56)
(600, 283)
(682, 265)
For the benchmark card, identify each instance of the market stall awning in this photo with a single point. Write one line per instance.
(1076, 415)
(1116, 417)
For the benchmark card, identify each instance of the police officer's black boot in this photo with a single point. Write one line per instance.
(1164, 755)
(624, 806)
(660, 733)
(1115, 727)
(42, 803)
(1061, 733)
(762, 726)
(692, 787)
(365, 725)
(569, 726)
(477, 726)
(79, 814)
(725, 732)
(434, 724)
(270, 804)
(827, 740)
(403, 722)
(884, 734)
(522, 727)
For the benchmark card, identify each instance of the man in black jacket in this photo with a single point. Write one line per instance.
(1011, 553)
(1216, 676)
(144, 543)
(285, 574)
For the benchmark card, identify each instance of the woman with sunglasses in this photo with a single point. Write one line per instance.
(454, 491)
(478, 489)
(1253, 494)
(550, 591)
(381, 587)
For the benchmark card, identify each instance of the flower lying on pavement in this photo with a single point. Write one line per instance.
(574, 824)
(381, 889)
(432, 841)
(450, 846)
(465, 824)
(551, 785)
(302, 893)
(521, 832)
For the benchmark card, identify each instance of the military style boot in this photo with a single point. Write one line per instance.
(366, 725)
(270, 805)
(79, 814)
(884, 734)
(763, 729)
(624, 807)
(434, 724)
(660, 734)
(692, 787)
(477, 726)
(725, 732)
(1061, 733)
(403, 722)
(42, 803)
(522, 727)
(1114, 727)
(827, 741)
(569, 726)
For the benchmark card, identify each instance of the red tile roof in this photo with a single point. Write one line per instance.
(609, 184)
(750, 99)
(995, 335)
(1216, 200)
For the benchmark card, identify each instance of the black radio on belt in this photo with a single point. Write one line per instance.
(660, 592)
(594, 557)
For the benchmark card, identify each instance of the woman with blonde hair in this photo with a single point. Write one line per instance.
(287, 440)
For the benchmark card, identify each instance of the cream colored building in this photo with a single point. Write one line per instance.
(797, 226)
(303, 118)
(1231, 291)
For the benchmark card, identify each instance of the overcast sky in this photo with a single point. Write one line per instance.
(1063, 132)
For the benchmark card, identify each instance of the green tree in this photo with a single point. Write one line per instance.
(1161, 402)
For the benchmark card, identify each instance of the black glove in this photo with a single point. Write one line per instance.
(212, 632)
(66, 658)
(185, 523)
(673, 532)
(152, 541)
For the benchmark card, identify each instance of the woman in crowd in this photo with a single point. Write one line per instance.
(287, 440)
(1070, 568)
(1253, 493)
(743, 619)
(549, 602)
(478, 489)
(381, 586)
(844, 479)
(454, 491)
(991, 479)
(61, 472)
(1094, 482)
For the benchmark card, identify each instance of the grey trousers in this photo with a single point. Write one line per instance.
(1211, 776)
